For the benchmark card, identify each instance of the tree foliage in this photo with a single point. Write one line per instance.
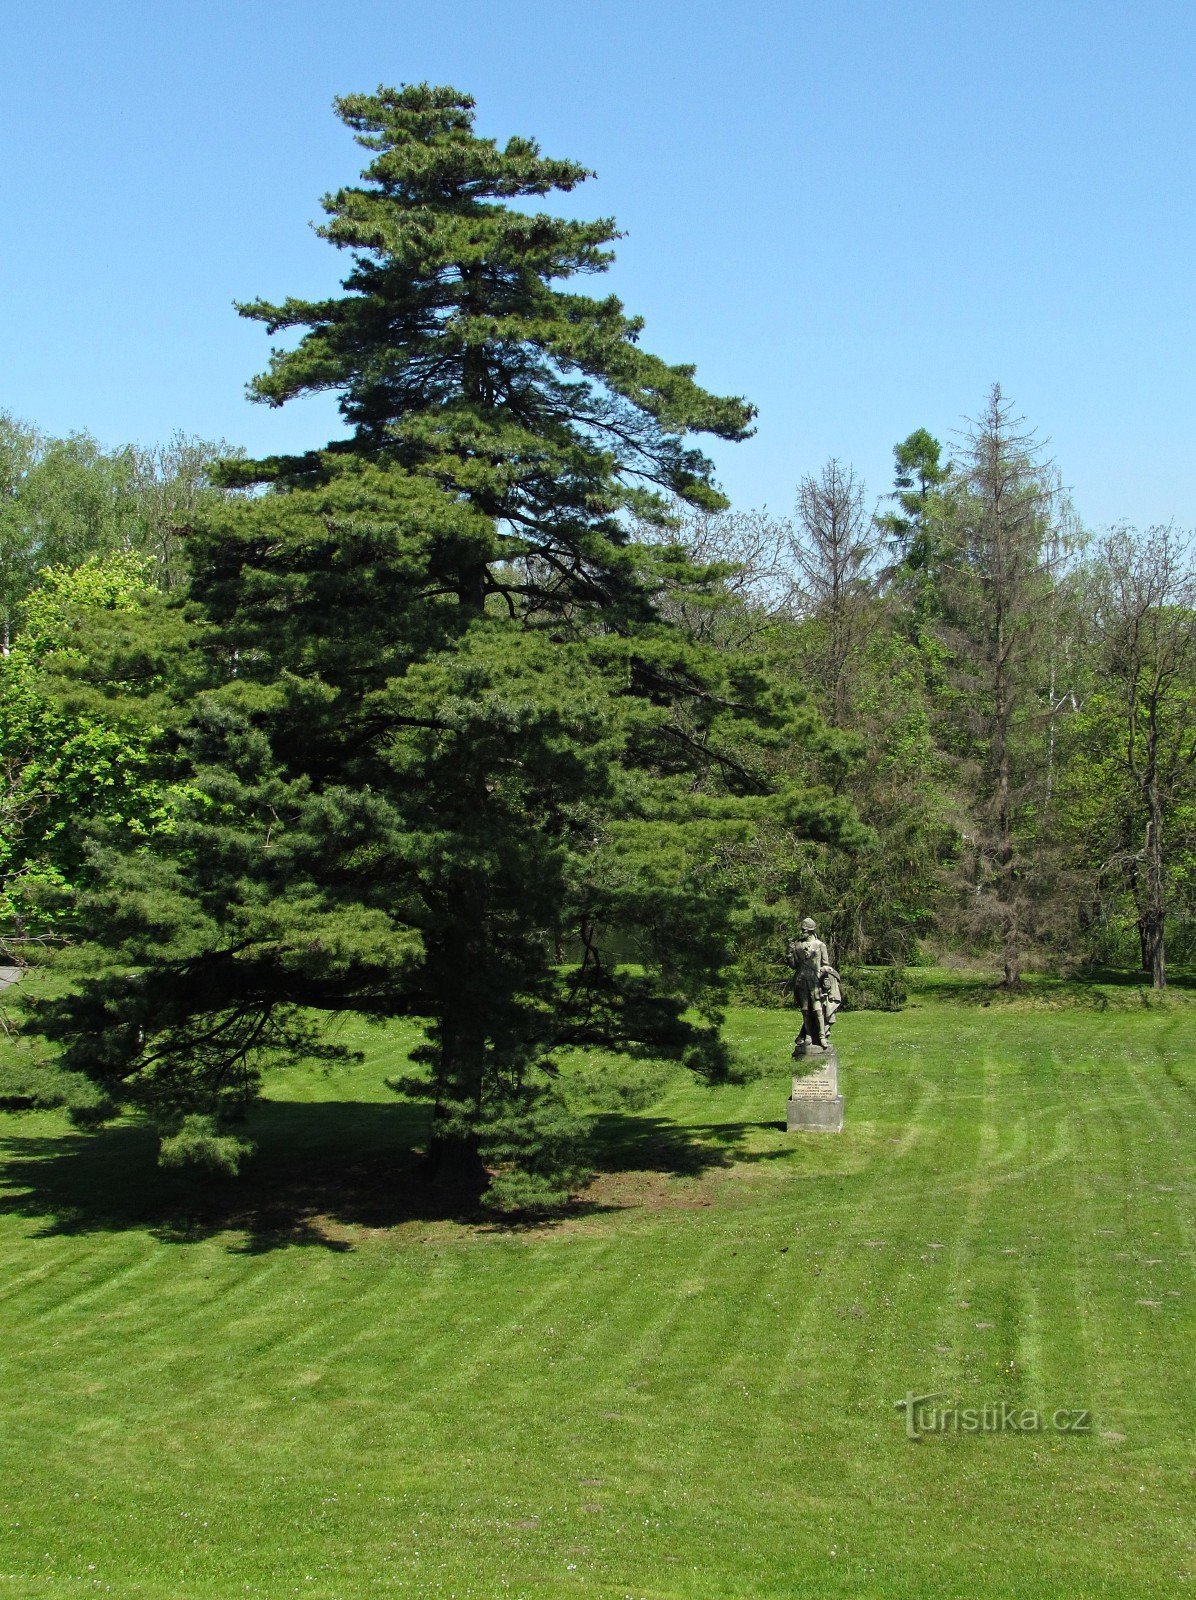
(66, 501)
(1130, 782)
(452, 759)
(78, 739)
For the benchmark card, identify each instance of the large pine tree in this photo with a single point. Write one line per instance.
(452, 762)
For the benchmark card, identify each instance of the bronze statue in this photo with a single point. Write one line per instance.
(816, 990)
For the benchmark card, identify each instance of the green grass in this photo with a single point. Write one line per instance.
(309, 1382)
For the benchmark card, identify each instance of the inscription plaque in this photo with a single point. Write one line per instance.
(815, 1103)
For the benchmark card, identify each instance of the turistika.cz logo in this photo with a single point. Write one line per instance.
(923, 1414)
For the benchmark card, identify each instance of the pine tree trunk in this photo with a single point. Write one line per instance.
(456, 971)
(454, 1157)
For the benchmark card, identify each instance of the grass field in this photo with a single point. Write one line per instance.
(308, 1382)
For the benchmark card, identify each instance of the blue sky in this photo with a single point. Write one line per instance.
(857, 215)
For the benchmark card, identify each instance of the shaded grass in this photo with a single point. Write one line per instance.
(306, 1383)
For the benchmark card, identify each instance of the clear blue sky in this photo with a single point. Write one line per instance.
(859, 215)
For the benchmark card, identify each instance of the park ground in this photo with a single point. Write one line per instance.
(315, 1380)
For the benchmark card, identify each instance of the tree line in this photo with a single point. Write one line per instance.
(1022, 694)
(492, 713)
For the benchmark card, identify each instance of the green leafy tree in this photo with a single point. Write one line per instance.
(82, 750)
(1129, 783)
(804, 595)
(877, 900)
(454, 760)
(79, 743)
(65, 501)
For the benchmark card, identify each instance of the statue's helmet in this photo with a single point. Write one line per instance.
(808, 925)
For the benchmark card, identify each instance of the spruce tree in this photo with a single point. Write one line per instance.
(915, 529)
(1003, 526)
(452, 762)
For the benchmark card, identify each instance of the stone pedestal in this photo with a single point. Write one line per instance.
(815, 1105)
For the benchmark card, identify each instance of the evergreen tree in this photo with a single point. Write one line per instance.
(914, 529)
(453, 760)
(1001, 519)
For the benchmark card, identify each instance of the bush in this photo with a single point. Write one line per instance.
(199, 1142)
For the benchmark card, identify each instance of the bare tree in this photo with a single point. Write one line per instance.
(833, 547)
(744, 553)
(171, 484)
(1146, 622)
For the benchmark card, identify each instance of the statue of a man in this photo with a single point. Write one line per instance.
(816, 991)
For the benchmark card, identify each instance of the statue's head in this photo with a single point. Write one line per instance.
(808, 925)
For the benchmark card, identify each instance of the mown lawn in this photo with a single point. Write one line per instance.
(309, 1382)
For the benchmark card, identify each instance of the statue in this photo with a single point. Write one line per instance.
(816, 991)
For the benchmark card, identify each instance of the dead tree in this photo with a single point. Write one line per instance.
(833, 547)
(996, 586)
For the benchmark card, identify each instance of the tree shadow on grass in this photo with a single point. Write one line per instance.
(637, 1143)
(322, 1172)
